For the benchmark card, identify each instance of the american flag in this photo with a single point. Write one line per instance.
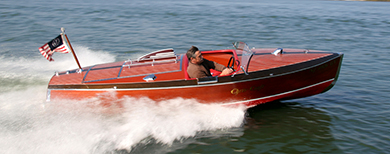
(55, 45)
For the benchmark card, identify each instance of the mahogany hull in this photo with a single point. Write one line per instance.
(298, 80)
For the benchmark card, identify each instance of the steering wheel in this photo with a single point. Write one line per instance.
(231, 60)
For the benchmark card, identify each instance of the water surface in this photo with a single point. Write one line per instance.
(353, 117)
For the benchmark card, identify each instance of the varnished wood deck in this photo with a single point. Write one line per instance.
(116, 73)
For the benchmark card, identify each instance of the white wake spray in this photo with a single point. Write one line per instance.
(30, 125)
(171, 120)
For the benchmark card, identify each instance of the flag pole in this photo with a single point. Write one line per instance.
(71, 48)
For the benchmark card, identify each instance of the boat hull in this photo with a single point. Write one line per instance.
(282, 83)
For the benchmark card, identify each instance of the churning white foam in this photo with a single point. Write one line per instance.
(86, 57)
(30, 125)
(170, 120)
(30, 68)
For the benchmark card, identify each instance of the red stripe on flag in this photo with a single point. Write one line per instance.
(45, 51)
(62, 49)
(48, 53)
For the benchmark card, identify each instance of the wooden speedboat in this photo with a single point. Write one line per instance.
(260, 76)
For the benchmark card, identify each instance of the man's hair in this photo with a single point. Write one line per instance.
(191, 52)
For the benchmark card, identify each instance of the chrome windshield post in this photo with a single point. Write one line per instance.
(243, 69)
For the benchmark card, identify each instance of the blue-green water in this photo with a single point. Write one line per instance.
(353, 117)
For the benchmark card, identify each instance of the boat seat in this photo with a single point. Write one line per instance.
(215, 72)
(185, 66)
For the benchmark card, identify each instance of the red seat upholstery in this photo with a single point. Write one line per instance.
(185, 66)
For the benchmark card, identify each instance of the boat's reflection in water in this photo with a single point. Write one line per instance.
(289, 127)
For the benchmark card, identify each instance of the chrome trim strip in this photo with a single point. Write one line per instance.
(208, 80)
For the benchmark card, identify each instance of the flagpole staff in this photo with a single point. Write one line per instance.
(71, 48)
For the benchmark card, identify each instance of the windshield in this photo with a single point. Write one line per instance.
(246, 55)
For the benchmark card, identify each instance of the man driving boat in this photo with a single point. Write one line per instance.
(199, 67)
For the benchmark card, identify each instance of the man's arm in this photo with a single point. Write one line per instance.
(223, 69)
(226, 71)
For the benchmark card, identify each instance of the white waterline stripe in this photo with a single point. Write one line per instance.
(240, 102)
